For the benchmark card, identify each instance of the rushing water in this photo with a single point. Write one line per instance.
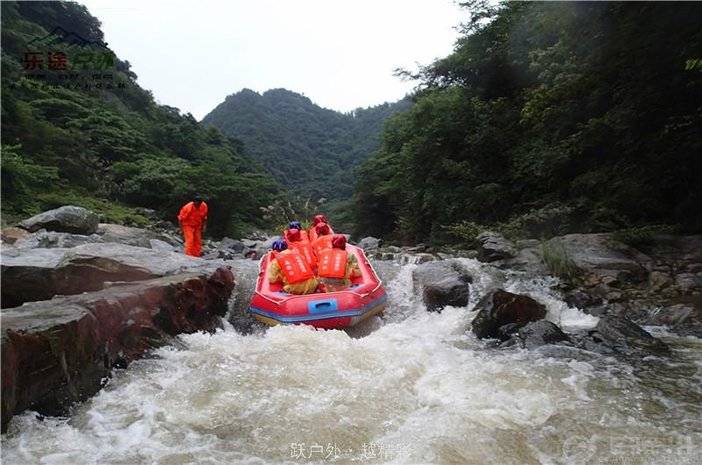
(410, 388)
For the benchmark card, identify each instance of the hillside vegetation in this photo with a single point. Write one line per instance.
(547, 118)
(111, 148)
(311, 150)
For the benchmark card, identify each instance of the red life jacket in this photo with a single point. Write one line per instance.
(294, 267)
(332, 263)
(305, 249)
(321, 243)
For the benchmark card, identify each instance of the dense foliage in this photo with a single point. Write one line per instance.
(309, 149)
(547, 118)
(66, 140)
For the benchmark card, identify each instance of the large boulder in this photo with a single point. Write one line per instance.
(599, 255)
(52, 239)
(442, 283)
(60, 351)
(132, 236)
(39, 274)
(370, 243)
(494, 246)
(70, 219)
(624, 336)
(500, 308)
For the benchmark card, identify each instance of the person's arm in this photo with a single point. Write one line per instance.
(204, 217)
(274, 273)
(354, 268)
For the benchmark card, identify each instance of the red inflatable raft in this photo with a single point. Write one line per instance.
(366, 297)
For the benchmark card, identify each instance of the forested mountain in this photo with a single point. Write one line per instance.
(548, 117)
(311, 150)
(77, 129)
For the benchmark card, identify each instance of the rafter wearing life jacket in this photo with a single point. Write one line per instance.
(323, 240)
(291, 236)
(337, 266)
(299, 243)
(289, 267)
(317, 221)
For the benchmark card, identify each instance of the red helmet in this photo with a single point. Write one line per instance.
(319, 219)
(322, 229)
(294, 234)
(339, 241)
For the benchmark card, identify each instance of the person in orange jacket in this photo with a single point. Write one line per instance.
(323, 240)
(295, 225)
(317, 221)
(298, 241)
(336, 266)
(193, 222)
(288, 267)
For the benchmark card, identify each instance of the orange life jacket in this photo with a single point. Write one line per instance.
(313, 232)
(294, 267)
(332, 263)
(305, 249)
(321, 243)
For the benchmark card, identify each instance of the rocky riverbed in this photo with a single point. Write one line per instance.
(463, 325)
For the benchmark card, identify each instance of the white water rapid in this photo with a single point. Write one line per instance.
(411, 388)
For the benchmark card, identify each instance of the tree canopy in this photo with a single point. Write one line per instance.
(91, 136)
(548, 117)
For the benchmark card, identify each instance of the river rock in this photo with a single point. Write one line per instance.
(625, 336)
(70, 219)
(499, 308)
(12, 235)
(370, 243)
(39, 274)
(539, 333)
(138, 237)
(442, 283)
(162, 246)
(232, 244)
(604, 258)
(51, 239)
(60, 351)
(494, 246)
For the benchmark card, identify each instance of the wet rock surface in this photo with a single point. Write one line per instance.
(499, 308)
(661, 284)
(442, 283)
(70, 219)
(539, 333)
(39, 274)
(370, 243)
(60, 351)
(494, 246)
(133, 236)
(623, 335)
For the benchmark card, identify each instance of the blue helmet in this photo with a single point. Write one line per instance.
(294, 225)
(279, 245)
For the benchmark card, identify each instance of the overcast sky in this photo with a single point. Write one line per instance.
(340, 53)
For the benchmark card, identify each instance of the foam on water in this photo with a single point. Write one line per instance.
(418, 388)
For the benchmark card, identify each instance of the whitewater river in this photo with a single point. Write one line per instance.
(410, 388)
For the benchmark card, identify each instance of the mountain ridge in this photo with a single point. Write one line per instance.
(311, 150)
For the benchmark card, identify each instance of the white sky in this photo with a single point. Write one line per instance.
(339, 53)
